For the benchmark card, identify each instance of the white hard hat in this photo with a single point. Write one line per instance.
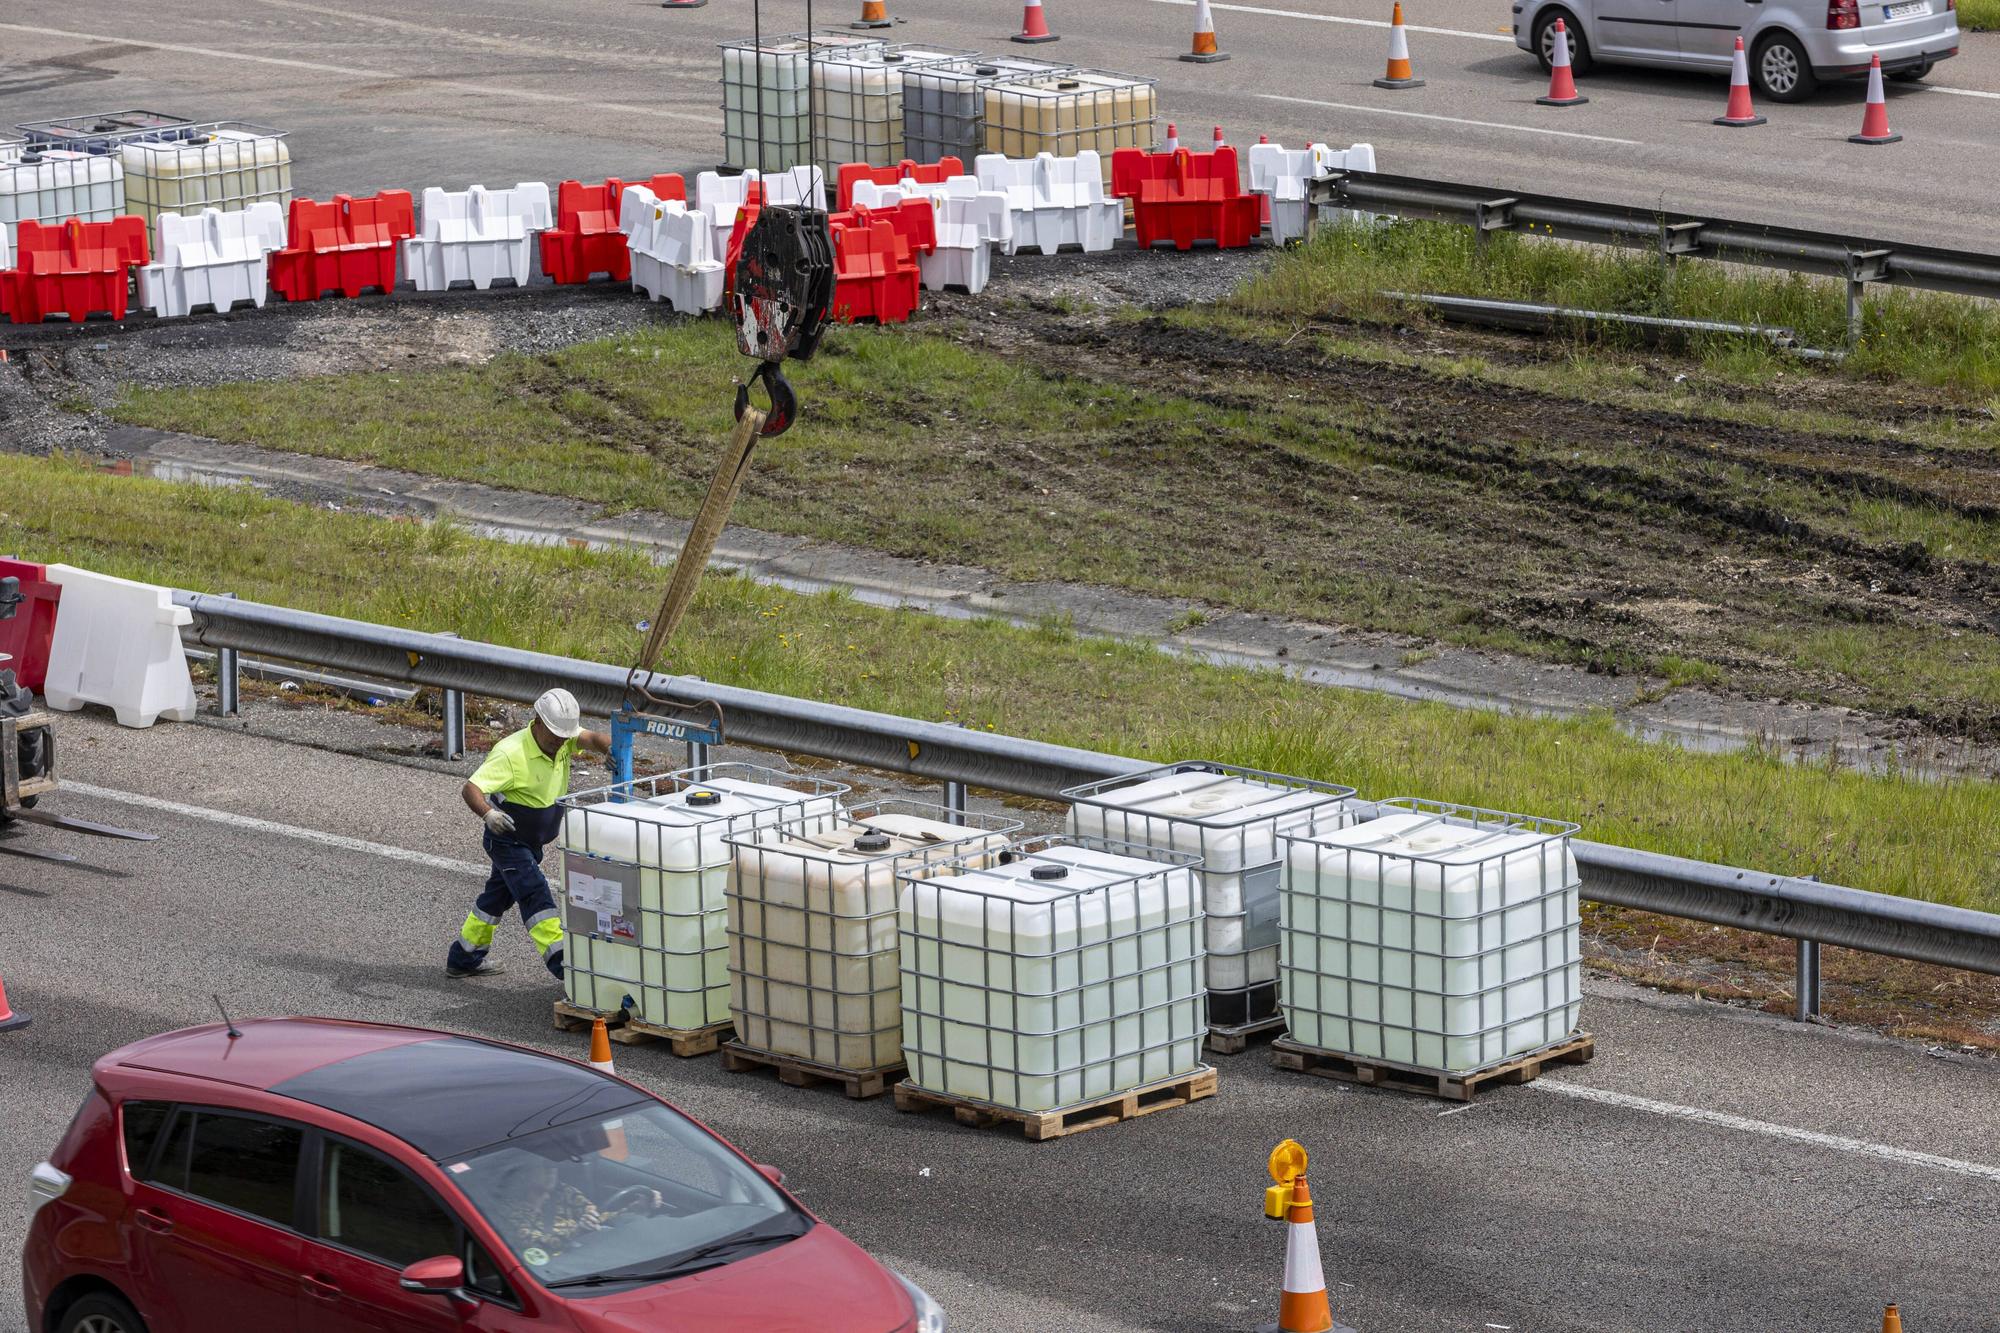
(558, 711)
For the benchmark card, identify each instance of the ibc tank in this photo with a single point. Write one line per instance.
(50, 185)
(1231, 818)
(1069, 972)
(1068, 113)
(1442, 937)
(783, 140)
(813, 968)
(944, 106)
(645, 873)
(858, 114)
(226, 165)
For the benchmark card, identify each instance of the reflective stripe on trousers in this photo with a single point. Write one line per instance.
(517, 881)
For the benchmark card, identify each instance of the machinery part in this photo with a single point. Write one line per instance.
(784, 403)
(782, 290)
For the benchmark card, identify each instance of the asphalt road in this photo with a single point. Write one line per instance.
(1711, 1170)
(444, 92)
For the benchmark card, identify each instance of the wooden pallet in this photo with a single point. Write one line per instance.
(1040, 1125)
(626, 1030)
(1234, 1041)
(798, 1073)
(1288, 1054)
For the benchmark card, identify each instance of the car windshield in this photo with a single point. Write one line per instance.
(642, 1195)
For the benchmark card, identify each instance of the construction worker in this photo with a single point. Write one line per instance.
(518, 792)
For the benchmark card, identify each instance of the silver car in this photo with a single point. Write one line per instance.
(1793, 45)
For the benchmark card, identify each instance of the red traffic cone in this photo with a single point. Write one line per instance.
(1875, 118)
(9, 1020)
(1218, 139)
(1399, 74)
(874, 14)
(1173, 138)
(1740, 112)
(1205, 51)
(1562, 85)
(1034, 27)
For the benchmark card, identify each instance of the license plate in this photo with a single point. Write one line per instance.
(1908, 10)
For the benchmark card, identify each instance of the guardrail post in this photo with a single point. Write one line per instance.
(954, 793)
(1863, 267)
(228, 679)
(697, 754)
(454, 719)
(1488, 217)
(1809, 991)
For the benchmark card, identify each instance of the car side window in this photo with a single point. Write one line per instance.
(369, 1204)
(242, 1162)
(141, 1123)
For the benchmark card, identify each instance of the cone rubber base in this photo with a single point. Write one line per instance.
(1399, 83)
(1562, 101)
(1745, 123)
(873, 23)
(1209, 59)
(1338, 1327)
(14, 1021)
(1874, 138)
(682, 4)
(1026, 40)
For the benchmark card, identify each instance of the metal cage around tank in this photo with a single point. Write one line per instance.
(944, 106)
(1066, 113)
(768, 97)
(858, 100)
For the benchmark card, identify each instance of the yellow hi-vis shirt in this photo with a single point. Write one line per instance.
(517, 769)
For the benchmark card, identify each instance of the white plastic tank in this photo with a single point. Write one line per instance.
(944, 106)
(814, 970)
(1435, 936)
(1069, 972)
(783, 138)
(858, 107)
(645, 877)
(1064, 114)
(227, 165)
(1232, 819)
(51, 185)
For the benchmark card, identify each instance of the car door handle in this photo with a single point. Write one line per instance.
(156, 1222)
(321, 1286)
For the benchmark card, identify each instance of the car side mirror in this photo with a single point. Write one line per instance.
(773, 1174)
(441, 1276)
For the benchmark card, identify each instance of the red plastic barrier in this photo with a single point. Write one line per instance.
(585, 240)
(875, 260)
(347, 245)
(1185, 197)
(74, 268)
(25, 637)
(923, 173)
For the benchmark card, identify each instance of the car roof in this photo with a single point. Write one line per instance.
(444, 1095)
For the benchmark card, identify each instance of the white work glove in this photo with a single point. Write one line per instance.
(499, 820)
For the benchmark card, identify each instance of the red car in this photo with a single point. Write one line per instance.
(321, 1176)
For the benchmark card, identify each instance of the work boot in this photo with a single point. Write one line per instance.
(485, 968)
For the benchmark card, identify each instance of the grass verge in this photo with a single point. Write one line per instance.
(1979, 15)
(1917, 838)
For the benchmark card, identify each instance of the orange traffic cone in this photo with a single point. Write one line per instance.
(600, 1047)
(1740, 112)
(1034, 27)
(1399, 74)
(1562, 84)
(1892, 1318)
(9, 1020)
(874, 14)
(1204, 52)
(1302, 1306)
(1875, 119)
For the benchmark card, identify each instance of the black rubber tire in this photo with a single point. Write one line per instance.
(1580, 61)
(1782, 50)
(1914, 74)
(112, 1313)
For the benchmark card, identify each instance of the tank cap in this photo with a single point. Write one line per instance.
(872, 841)
(891, 59)
(703, 796)
(1069, 83)
(985, 69)
(1049, 872)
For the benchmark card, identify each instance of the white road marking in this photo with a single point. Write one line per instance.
(1352, 23)
(510, 92)
(255, 825)
(1449, 120)
(1955, 92)
(1723, 1120)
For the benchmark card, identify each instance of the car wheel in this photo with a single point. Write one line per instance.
(1545, 41)
(1782, 71)
(101, 1312)
(1915, 74)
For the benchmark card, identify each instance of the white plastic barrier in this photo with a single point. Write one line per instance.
(676, 254)
(969, 222)
(211, 258)
(1055, 201)
(6, 249)
(478, 236)
(1282, 174)
(118, 643)
(720, 196)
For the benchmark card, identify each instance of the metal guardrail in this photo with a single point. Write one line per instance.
(1855, 260)
(1799, 909)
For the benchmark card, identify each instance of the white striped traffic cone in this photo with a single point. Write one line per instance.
(1875, 119)
(874, 14)
(1302, 1305)
(600, 1047)
(1034, 25)
(1173, 138)
(1740, 113)
(1562, 83)
(1205, 51)
(1218, 140)
(1399, 74)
